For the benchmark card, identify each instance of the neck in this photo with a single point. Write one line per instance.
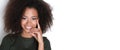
(26, 35)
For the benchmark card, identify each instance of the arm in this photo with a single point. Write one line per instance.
(37, 34)
(41, 46)
(44, 45)
(43, 42)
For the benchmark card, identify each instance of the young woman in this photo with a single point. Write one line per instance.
(25, 22)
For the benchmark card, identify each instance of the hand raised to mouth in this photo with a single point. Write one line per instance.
(37, 33)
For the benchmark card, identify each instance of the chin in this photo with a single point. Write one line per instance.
(27, 31)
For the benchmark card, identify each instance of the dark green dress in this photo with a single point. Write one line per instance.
(17, 42)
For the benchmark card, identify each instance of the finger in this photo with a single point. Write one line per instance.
(38, 24)
(36, 30)
(34, 35)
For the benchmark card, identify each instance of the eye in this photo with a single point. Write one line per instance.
(23, 18)
(34, 18)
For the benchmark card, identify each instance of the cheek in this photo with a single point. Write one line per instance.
(23, 23)
(34, 23)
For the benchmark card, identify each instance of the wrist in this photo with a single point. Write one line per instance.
(41, 46)
(40, 43)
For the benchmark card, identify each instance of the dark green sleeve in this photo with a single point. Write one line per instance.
(46, 44)
(5, 45)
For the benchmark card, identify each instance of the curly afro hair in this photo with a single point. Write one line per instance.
(15, 9)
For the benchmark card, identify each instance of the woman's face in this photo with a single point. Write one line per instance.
(29, 19)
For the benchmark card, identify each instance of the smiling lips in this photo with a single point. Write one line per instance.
(28, 27)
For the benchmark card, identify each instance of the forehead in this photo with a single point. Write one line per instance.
(29, 12)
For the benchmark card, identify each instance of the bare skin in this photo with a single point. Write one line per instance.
(29, 22)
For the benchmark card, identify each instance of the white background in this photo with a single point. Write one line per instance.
(83, 24)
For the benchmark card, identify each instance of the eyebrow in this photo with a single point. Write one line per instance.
(31, 16)
(34, 17)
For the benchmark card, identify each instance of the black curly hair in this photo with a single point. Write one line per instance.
(15, 10)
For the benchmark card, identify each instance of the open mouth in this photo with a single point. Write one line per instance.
(28, 28)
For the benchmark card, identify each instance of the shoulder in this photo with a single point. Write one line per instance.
(47, 45)
(46, 40)
(8, 38)
(7, 41)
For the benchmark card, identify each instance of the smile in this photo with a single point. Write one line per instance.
(28, 28)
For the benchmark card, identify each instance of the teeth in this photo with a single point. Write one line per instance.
(28, 27)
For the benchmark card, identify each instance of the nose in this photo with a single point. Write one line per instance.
(28, 22)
